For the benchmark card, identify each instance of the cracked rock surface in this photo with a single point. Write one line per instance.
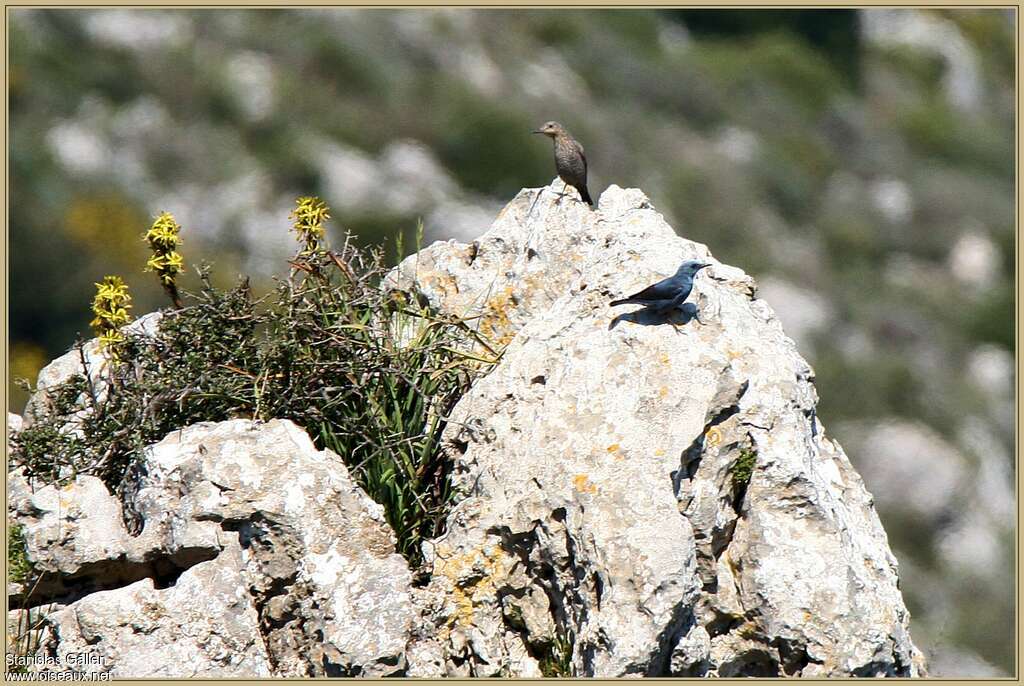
(637, 496)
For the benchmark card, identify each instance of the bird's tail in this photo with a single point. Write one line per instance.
(586, 196)
(624, 301)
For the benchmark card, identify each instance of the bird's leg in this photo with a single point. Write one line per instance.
(564, 192)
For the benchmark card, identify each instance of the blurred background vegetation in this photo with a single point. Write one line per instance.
(860, 164)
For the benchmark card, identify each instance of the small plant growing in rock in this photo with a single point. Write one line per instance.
(23, 637)
(742, 469)
(556, 662)
(368, 373)
(18, 566)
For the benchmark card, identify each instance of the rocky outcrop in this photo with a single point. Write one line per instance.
(258, 556)
(637, 495)
(660, 495)
(200, 626)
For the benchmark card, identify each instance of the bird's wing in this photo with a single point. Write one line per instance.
(583, 157)
(663, 290)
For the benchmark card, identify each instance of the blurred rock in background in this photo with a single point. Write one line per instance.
(858, 163)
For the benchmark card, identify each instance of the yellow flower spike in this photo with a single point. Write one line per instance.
(111, 306)
(163, 238)
(163, 234)
(309, 214)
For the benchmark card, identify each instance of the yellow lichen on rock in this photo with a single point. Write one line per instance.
(473, 578)
(495, 323)
(583, 484)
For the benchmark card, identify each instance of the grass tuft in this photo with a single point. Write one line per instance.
(556, 662)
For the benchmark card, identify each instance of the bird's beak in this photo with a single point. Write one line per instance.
(537, 131)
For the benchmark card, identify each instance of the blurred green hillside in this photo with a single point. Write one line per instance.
(860, 164)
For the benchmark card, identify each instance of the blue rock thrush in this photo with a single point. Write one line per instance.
(668, 294)
(570, 162)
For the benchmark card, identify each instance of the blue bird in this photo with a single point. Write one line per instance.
(668, 294)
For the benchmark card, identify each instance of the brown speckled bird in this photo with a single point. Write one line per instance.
(570, 162)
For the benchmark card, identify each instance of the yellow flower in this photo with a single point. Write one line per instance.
(111, 306)
(174, 260)
(111, 338)
(163, 238)
(163, 235)
(309, 214)
(166, 266)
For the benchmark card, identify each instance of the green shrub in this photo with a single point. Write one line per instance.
(18, 567)
(370, 374)
(23, 628)
(742, 468)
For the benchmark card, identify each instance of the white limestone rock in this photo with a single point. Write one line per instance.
(599, 462)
